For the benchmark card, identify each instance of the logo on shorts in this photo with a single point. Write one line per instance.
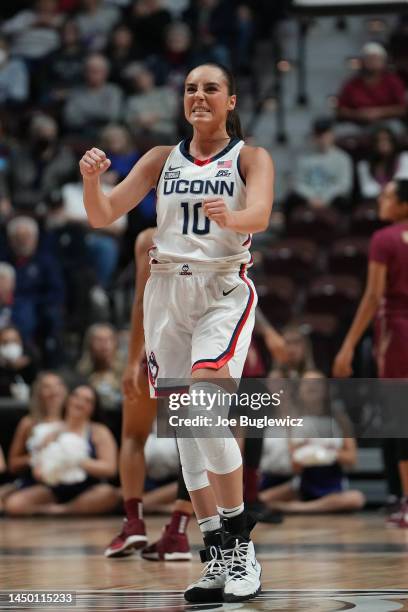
(230, 291)
(153, 368)
(185, 270)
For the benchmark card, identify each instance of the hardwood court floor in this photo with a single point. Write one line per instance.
(312, 563)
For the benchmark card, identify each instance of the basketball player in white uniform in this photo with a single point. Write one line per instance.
(213, 192)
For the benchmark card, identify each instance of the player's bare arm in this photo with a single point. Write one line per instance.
(275, 343)
(258, 172)
(136, 340)
(365, 313)
(102, 209)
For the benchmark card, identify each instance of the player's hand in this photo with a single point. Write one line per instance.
(342, 363)
(93, 163)
(277, 347)
(130, 381)
(217, 210)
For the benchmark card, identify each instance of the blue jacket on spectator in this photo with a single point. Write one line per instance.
(39, 295)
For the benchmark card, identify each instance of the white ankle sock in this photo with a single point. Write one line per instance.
(231, 512)
(209, 523)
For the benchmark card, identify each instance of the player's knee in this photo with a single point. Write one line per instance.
(192, 463)
(133, 442)
(221, 455)
(211, 398)
(195, 480)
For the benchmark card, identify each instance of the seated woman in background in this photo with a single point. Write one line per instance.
(102, 364)
(45, 416)
(299, 354)
(318, 458)
(72, 465)
(6, 484)
(382, 164)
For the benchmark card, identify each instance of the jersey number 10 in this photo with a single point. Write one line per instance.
(196, 218)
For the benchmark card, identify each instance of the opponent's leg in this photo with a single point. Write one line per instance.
(138, 417)
(173, 544)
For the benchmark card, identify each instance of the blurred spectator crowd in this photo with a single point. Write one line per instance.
(77, 73)
(110, 73)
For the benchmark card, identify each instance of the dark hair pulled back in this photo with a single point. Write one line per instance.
(234, 128)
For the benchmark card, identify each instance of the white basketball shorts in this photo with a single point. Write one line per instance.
(197, 316)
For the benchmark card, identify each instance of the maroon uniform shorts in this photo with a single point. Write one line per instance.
(391, 347)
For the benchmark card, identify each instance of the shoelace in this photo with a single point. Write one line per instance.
(235, 559)
(215, 567)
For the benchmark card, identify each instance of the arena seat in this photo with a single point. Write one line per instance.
(323, 330)
(277, 295)
(365, 220)
(337, 295)
(292, 257)
(320, 225)
(349, 256)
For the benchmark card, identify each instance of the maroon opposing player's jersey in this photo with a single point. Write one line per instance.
(389, 246)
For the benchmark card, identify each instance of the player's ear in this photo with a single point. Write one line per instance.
(232, 102)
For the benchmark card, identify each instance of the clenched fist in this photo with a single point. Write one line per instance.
(217, 210)
(93, 163)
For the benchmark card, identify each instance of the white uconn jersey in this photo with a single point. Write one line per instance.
(184, 233)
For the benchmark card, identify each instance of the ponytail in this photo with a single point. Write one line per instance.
(234, 128)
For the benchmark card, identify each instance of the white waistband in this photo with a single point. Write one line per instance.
(188, 268)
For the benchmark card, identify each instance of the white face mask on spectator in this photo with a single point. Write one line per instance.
(11, 351)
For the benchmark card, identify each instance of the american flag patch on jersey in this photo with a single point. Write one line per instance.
(225, 164)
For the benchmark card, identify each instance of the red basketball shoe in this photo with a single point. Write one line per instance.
(132, 537)
(172, 546)
(396, 515)
(404, 515)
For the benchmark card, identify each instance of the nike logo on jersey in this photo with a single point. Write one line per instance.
(230, 291)
(175, 168)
